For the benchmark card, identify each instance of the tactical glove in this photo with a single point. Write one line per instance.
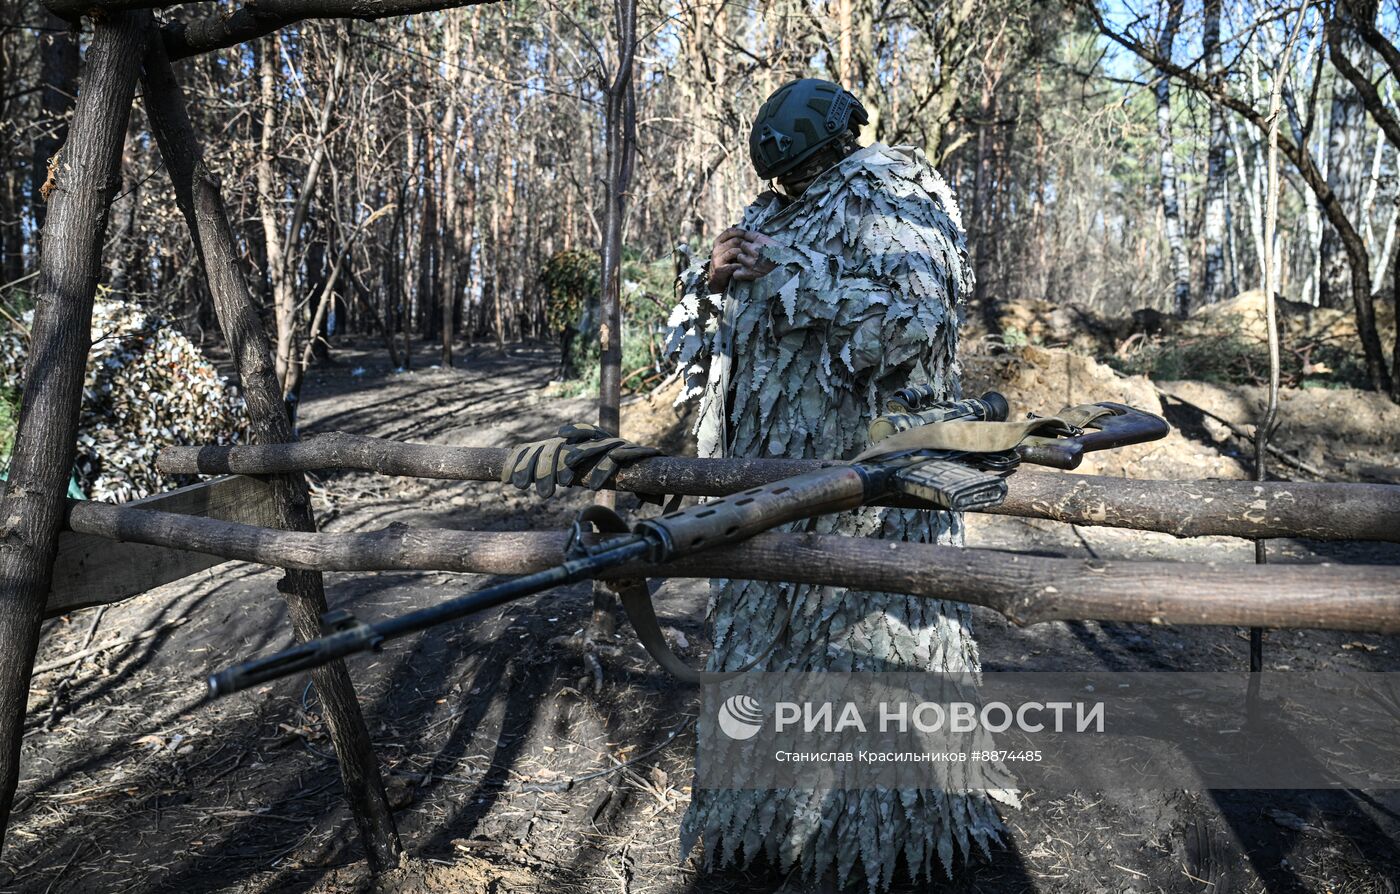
(581, 454)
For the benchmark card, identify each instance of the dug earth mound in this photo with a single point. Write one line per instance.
(1345, 433)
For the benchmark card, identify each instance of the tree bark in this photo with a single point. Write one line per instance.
(1213, 287)
(1026, 589)
(255, 19)
(621, 143)
(1171, 205)
(1345, 172)
(197, 191)
(979, 236)
(31, 511)
(1386, 119)
(449, 241)
(621, 125)
(1181, 508)
(283, 301)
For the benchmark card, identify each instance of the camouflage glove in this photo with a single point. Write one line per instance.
(581, 454)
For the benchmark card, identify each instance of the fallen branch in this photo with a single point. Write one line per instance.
(1182, 508)
(1026, 589)
(1247, 437)
(112, 644)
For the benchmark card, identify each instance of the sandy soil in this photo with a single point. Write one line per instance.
(508, 770)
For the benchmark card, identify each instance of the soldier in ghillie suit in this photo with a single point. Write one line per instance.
(836, 289)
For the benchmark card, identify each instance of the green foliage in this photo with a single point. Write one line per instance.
(9, 416)
(1225, 359)
(1229, 359)
(570, 280)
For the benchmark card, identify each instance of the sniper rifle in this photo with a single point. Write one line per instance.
(952, 455)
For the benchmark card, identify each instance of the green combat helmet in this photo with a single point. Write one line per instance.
(798, 119)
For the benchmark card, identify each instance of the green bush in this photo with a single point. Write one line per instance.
(9, 416)
(1228, 359)
(571, 280)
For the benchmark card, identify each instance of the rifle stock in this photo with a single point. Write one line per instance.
(1125, 425)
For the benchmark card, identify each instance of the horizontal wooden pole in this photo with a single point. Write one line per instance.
(1026, 589)
(1182, 508)
(98, 571)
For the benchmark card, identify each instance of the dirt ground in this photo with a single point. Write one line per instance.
(510, 772)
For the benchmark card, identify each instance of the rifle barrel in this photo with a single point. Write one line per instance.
(349, 636)
(631, 548)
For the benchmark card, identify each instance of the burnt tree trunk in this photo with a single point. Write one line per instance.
(31, 511)
(199, 197)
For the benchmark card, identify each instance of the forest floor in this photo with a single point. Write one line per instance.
(132, 784)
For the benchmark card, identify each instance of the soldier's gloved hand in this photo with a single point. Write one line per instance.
(581, 454)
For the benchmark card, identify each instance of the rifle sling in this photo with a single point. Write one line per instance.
(982, 437)
(635, 597)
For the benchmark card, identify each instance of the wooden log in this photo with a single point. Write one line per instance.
(86, 179)
(1182, 508)
(1026, 589)
(198, 194)
(96, 570)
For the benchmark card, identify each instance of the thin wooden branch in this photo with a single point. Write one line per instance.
(1026, 589)
(75, 657)
(256, 19)
(1181, 508)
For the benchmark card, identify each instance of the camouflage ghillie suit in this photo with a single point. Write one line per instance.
(147, 387)
(870, 271)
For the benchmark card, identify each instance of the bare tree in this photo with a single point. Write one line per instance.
(1171, 205)
(1214, 286)
(1299, 155)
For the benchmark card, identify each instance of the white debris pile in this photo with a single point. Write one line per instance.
(147, 387)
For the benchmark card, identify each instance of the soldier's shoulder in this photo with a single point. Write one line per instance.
(906, 172)
(878, 157)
